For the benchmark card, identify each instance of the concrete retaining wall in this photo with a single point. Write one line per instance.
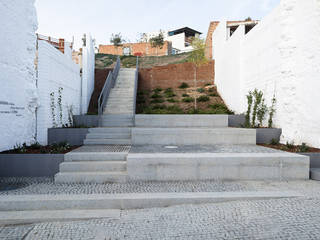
(86, 120)
(74, 136)
(314, 159)
(217, 166)
(30, 165)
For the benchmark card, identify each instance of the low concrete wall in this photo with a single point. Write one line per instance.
(30, 165)
(314, 159)
(217, 166)
(86, 120)
(74, 136)
(265, 135)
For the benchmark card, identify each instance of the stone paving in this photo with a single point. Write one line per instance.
(270, 219)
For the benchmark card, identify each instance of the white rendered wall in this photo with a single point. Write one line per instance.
(88, 66)
(56, 70)
(279, 56)
(18, 98)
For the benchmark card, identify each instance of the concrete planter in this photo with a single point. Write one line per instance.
(265, 135)
(314, 159)
(86, 120)
(30, 165)
(74, 136)
(236, 120)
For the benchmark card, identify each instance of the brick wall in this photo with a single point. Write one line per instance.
(172, 75)
(137, 49)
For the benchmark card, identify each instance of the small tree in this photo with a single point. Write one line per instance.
(157, 42)
(198, 58)
(117, 40)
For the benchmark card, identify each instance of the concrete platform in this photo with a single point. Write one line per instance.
(193, 136)
(217, 166)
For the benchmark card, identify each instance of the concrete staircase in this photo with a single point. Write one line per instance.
(120, 100)
(93, 167)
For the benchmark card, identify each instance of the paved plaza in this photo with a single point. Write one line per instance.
(294, 218)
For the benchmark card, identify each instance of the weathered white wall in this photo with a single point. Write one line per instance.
(56, 70)
(279, 56)
(88, 66)
(18, 97)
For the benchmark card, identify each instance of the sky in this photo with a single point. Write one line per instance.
(72, 18)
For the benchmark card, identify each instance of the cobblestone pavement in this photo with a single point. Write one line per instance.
(270, 219)
(294, 218)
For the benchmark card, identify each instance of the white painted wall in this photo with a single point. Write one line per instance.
(18, 97)
(279, 56)
(88, 66)
(56, 70)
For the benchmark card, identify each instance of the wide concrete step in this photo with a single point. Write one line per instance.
(118, 112)
(39, 216)
(117, 116)
(130, 200)
(278, 166)
(211, 121)
(193, 136)
(91, 177)
(107, 141)
(108, 136)
(110, 130)
(116, 124)
(94, 156)
(90, 166)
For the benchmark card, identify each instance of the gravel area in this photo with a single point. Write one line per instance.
(269, 219)
(202, 149)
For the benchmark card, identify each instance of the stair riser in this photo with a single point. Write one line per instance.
(90, 179)
(108, 136)
(107, 141)
(93, 167)
(110, 130)
(88, 157)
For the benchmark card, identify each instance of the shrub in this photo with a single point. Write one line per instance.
(220, 108)
(171, 100)
(203, 99)
(157, 100)
(156, 95)
(211, 90)
(261, 113)
(184, 85)
(213, 95)
(185, 95)
(290, 145)
(188, 99)
(272, 111)
(170, 94)
(157, 90)
(304, 148)
(274, 141)
(200, 90)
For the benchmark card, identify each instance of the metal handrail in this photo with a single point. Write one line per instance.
(135, 89)
(110, 83)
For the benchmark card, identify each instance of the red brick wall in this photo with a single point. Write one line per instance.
(137, 49)
(172, 75)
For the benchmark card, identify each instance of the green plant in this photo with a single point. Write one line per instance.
(213, 95)
(274, 141)
(257, 101)
(116, 39)
(156, 95)
(53, 109)
(200, 90)
(185, 95)
(272, 111)
(35, 145)
(20, 148)
(211, 90)
(290, 145)
(171, 100)
(203, 99)
(188, 99)
(261, 113)
(169, 93)
(304, 148)
(250, 101)
(157, 100)
(198, 58)
(208, 84)
(157, 90)
(60, 105)
(184, 85)
(220, 108)
(70, 115)
(157, 41)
